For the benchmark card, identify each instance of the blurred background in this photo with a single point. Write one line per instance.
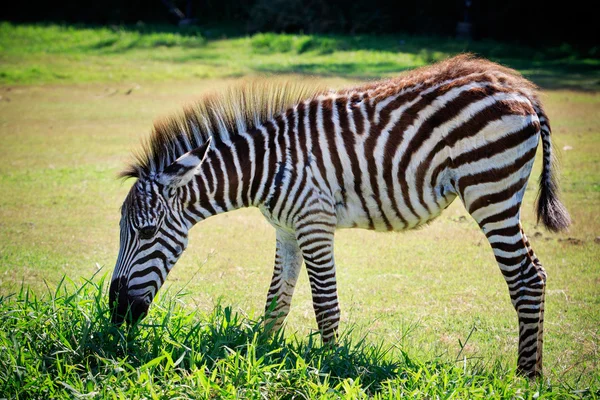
(526, 22)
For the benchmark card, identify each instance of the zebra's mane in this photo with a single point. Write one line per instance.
(246, 106)
(239, 109)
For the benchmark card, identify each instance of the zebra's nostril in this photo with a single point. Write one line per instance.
(147, 232)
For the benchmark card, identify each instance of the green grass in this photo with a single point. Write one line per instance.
(62, 344)
(59, 54)
(409, 300)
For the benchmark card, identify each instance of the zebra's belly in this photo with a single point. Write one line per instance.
(384, 214)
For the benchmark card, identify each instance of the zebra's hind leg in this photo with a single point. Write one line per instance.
(542, 275)
(492, 186)
(526, 279)
(288, 260)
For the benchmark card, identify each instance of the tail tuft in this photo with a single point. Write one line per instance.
(550, 210)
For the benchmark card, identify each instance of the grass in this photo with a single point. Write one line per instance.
(409, 300)
(60, 54)
(62, 344)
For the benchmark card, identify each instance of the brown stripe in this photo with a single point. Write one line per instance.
(501, 216)
(202, 200)
(357, 114)
(302, 206)
(313, 241)
(301, 225)
(495, 174)
(300, 235)
(370, 109)
(231, 173)
(317, 249)
(292, 133)
(329, 130)
(349, 142)
(292, 151)
(272, 162)
(498, 197)
(386, 112)
(242, 148)
(318, 272)
(508, 231)
(469, 129)
(508, 247)
(296, 198)
(282, 166)
(219, 192)
(259, 154)
(302, 133)
(510, 261)
(500, 145)
(314, 135)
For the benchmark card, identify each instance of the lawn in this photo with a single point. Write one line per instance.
(68, 54)
(431, 304)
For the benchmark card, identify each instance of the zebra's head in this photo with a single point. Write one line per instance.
(154, 234)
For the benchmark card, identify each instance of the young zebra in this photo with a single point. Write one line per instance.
(389, 155)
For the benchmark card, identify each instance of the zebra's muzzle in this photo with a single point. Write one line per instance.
(122, 306)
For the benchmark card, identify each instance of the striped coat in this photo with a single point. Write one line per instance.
(388, 155)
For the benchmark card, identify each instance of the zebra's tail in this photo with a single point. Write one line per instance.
(550, 210)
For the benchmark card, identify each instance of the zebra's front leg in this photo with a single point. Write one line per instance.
(288, 261)
(315, 238)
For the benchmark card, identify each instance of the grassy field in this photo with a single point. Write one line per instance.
(59, 54)
(431, 305)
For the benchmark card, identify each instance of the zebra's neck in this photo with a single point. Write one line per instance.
(233, 175)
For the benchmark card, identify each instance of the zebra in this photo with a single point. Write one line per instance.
(388, 155)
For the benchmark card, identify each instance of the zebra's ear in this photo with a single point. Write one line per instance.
(182, 170)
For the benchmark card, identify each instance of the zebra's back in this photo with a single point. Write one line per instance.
(393, 155)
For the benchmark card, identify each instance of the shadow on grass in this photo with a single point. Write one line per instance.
(362, 71)
(557, 67)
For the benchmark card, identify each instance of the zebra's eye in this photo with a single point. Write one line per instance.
(147, 232)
